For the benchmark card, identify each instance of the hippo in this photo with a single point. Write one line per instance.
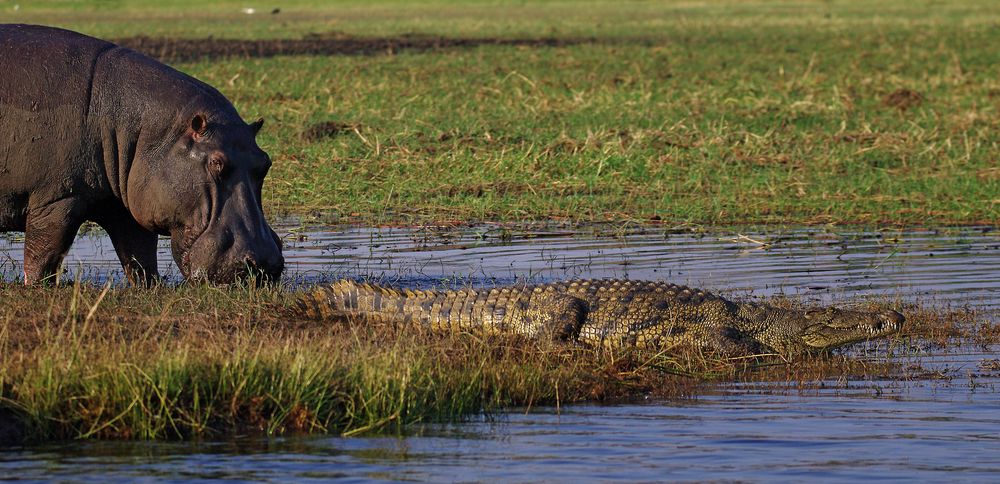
(91, 131)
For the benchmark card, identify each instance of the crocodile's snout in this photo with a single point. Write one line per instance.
(832, 327)
(875, 324)
(892, 319)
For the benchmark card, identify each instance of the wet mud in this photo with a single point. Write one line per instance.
(170, 49)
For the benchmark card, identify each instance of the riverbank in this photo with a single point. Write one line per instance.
(80, 361)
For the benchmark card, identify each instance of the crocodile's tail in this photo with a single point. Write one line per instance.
(530, 311)
(346, 298)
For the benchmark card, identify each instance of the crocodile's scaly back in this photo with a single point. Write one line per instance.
(649, 314)
(609, 313)
(531, 311)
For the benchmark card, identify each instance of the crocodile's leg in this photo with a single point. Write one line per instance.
(644, 319)
(543, 315)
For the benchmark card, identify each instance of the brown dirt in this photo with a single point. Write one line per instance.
(329, 129)
(903, 99)
(179, 50)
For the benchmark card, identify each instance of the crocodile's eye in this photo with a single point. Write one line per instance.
(825, 314)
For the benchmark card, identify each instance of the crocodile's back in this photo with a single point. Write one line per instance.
(646, 314)
(526, 310)
(596, 291)
(596, 312)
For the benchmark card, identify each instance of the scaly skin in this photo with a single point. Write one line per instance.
(608, 313)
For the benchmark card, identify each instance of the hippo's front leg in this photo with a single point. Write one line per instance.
(48, 234)
(135, 246)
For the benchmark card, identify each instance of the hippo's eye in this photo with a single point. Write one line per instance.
(216, 165)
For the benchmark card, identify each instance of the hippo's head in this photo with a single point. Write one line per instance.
(204, 190)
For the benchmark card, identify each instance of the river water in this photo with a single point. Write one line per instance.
(898, 428)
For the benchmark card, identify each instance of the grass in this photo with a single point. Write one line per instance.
(82, 362)
(715, 113)
(79, 361)
(505, 18)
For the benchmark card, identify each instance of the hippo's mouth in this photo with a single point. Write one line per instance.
(181, 248)
(215, 256)
(227, 243)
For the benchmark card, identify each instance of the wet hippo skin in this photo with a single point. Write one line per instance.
(90, 131)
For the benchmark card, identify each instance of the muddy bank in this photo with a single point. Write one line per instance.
(178, 50)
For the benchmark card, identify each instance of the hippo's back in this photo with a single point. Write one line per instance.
(46, 85)
(45, 68)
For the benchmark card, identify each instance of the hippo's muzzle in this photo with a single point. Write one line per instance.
(227, 257)
(236, 244)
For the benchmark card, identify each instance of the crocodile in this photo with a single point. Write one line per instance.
(607, 313)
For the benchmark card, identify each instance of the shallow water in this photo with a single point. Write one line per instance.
(951, 267)
(895, 428)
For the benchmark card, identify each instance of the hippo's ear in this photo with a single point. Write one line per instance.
(199, 126)
(256, 125)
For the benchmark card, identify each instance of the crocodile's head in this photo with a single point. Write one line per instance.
(792, 332)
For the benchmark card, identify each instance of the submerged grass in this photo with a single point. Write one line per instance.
(195, 362)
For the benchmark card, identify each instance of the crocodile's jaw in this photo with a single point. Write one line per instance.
(830, 328)
(790, 332)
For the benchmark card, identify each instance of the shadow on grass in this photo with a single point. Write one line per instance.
(180, 49)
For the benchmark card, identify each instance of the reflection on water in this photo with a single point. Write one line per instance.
(893, 428)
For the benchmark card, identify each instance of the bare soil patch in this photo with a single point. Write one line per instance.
(903, 99)
(179, 49)
(329, 129)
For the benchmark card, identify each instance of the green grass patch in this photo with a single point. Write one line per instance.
(728, 132)
(718, 113)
